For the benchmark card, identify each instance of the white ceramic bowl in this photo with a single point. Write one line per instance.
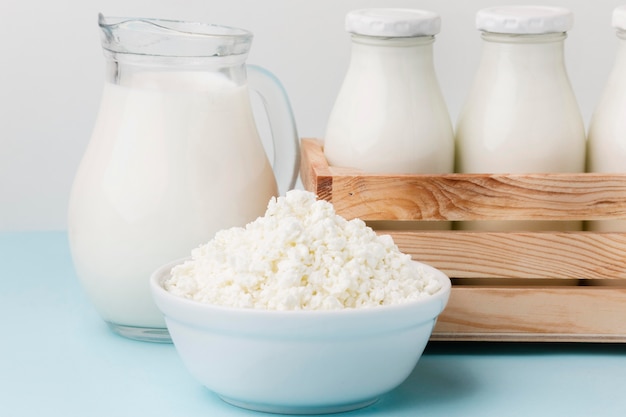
(299, 362)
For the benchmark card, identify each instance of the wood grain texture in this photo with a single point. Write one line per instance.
(463, 196)
(315, 174)
(591, 314)
(508, 286)
(563, 255)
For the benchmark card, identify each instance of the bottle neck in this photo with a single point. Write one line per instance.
(616, 77)
(510, 38)
(414, 52)
(524, 51)
(621, 36)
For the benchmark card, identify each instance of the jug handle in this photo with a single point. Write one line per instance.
(286, 158)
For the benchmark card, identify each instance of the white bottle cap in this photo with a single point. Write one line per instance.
(393, 22)
(524, 19)
(619, 18)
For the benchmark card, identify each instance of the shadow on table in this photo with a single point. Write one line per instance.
(429, 385)
(523, 348)
(442, 378)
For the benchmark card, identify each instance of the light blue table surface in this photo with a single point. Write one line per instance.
(57, 358)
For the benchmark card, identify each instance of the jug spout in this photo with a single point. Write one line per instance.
(172, 38)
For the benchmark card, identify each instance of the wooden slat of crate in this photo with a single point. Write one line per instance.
(545, 255)
(535, 286)
(463, 196)
(589, 314)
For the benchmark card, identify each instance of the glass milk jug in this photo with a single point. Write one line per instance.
(607, 130)
(389, 115)
(521, 115)
(174, 156)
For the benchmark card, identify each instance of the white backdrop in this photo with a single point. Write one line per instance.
(51, 73)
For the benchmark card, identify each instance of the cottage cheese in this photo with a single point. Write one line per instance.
(300, 255)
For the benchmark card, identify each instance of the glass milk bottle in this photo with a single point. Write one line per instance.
(389, 115)
(521, 115)
(607, 130)
(174, 157)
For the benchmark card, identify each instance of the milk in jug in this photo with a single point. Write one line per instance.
(174, 157)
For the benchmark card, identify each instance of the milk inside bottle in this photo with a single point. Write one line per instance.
(174, 157)
(521, 115)
(389, 115)
(607, 130)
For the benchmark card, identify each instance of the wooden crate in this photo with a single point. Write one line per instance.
(507, 286)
